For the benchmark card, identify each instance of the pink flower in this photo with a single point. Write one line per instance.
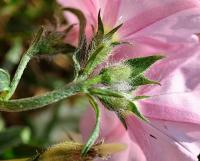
(156, 26)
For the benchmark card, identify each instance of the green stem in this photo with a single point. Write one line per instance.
(22, 65)
(33, 50)
(31, 103)
(96, 130)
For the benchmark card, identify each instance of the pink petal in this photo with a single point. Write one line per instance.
(111, 11)
(88, 7)
(131, 8)
(149, 12)
(186, 133)
(158, 145)
(178, 97)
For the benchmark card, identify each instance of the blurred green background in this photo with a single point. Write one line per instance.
(22, 134)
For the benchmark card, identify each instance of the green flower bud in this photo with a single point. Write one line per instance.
(129, 73)
(116, 74)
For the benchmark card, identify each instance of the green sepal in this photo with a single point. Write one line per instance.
(4, 82)
(100, 48)
(121, 104)
(122, 118)
(110, 34)
(96, 130)
(142, 80)
(113, 103)
(129, 73)
(141, 64)
(133, 108)
(99, 55)
(100, 30)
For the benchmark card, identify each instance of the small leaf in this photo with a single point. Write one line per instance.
(96, 130)
(4, 82)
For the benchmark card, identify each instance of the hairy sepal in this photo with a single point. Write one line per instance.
(130, 72)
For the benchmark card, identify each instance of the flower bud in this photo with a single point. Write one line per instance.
(116, 74)
(130, 72)
(71, 151)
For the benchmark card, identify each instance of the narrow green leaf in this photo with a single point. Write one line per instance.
(96, 130)
(4, 82)
(139, 65)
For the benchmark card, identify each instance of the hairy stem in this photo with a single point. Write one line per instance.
(33, 50)
(23, 63)
(31, 103)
